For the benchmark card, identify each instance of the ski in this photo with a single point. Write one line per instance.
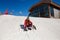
(28, 28)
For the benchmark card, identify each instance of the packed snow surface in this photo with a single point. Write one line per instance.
(47, 28)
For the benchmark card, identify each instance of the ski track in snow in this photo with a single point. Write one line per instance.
(47, 28)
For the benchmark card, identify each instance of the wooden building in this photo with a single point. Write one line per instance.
(45, 8)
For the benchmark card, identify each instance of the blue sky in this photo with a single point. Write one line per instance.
(19, 7)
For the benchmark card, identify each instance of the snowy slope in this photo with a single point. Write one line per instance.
(47, 28)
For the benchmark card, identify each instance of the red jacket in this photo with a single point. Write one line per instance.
(27, 23)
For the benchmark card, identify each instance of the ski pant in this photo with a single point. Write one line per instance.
(28, 26)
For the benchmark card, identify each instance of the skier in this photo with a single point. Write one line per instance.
(6, 12)
(27, 24)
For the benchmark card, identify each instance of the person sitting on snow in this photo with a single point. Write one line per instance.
(27, 24)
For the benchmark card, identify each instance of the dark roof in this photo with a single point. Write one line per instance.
(40, 3)
(55, 5)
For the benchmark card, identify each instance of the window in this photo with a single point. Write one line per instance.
(41, 10)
